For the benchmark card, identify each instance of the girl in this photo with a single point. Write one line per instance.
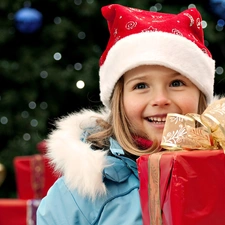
(154, 64)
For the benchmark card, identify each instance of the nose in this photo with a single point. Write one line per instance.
(160, 98)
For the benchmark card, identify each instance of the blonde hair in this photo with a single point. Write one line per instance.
(119, 127)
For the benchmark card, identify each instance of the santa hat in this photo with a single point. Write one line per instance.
(139, 37)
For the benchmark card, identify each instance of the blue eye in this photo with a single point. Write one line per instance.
(140, 86)
(177, 83)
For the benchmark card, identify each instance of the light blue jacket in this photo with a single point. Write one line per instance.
(96, 188)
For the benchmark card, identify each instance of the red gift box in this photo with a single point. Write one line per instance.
(34, 176)
(183, 187)
(18, 212)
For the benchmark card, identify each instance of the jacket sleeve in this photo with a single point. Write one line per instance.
(58, 207)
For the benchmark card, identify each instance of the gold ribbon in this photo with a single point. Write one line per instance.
(154, 189)
(194, 131)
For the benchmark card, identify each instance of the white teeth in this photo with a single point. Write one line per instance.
(157, 119)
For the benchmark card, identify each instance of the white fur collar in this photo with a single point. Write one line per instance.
(81, 166)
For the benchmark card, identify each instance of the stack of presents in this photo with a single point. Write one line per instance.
(185, 184)
(182, 185)
(34, 177)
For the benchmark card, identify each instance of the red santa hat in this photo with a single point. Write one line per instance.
(139, 37)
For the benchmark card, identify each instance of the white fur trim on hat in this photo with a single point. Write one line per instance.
(157, 48)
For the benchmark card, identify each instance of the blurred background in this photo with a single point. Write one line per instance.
(49, 53)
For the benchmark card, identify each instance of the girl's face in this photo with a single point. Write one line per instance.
(150, 92)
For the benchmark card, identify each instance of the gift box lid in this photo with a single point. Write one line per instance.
(34, 176)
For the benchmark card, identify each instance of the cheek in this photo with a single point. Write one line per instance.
(133, 109)
(134, 112)
(189, 104)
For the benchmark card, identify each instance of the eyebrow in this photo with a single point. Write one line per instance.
(145, 76)
(141, 77)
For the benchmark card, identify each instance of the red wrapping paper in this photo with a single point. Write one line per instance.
(34, 176)
(18, 212)
(191, 188)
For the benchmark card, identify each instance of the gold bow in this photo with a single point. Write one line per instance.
(194, 131)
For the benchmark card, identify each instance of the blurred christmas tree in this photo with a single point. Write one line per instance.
(49, 65)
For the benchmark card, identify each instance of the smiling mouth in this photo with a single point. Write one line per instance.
(157, 120)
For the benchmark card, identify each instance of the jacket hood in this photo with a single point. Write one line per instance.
(81, 166)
